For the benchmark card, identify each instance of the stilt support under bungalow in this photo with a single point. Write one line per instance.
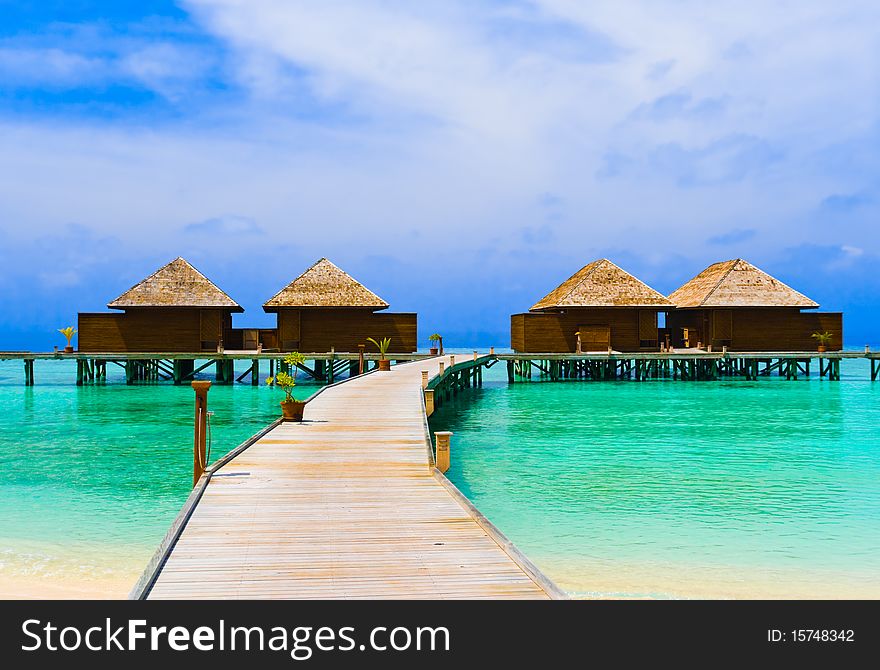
(183, 369)
(643, 367)
(225, 372)
(521, 367)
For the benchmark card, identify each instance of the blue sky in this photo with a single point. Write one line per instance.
(460, 158)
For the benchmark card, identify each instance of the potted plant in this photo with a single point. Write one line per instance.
(823, 340)
(438, 339)
(68, 332)
(384, 363)
(290, 407)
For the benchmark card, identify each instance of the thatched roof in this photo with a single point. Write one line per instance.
(738, 283)
(601, 284)
(177, 284)
(325, 285)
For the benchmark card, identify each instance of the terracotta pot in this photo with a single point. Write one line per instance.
(68, 349)
(384, 365)
(434, 351)
(292, 409)
(822, 348)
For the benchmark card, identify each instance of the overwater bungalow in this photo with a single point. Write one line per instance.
(599, 307)
(175, 309)
(325, 308)
(734, 304)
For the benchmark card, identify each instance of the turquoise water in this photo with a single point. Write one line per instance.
(92, 476)
(656, 489)
(671, 489)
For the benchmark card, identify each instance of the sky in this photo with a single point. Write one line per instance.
(459, 157)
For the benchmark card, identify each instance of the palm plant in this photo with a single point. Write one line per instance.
(438, 338)
(284, 380)
(68, 332)
(822, 339)
(382, 345)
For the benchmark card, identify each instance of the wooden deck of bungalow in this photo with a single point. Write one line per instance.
(678, 364)
(345, 505)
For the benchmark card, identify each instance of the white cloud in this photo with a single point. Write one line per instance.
(48, 67)
(456, 116)
(224, 226)
(88, 56)
(456, 95)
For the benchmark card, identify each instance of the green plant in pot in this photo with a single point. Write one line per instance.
(437, 339)
(291, 408)
(68, 332)
(382, 345)
(822, 340)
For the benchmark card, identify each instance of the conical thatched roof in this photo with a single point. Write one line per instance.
(177, 284)
(325, 285)
(601, 284)
(737, 283)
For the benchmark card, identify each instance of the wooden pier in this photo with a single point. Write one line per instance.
(347, 504)
(181, 368)
(678, 365)
(681, 366)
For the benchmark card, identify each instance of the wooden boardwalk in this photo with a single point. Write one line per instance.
(344, 505)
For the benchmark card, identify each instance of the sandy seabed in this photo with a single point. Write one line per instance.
(29, 588)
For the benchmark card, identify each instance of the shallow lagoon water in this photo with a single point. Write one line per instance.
(91, 477)
(670, 489)
(654, 489)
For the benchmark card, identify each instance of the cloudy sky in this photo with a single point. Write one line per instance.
(460, 157)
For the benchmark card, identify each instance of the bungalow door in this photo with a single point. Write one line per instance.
(648, 333)
(594, 338)
(722, 327)
(289, 329)
(210, 329)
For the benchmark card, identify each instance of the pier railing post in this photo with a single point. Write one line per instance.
(429, 401)
(441, 457)
(200, 431)
(424, 379)
(361, 348)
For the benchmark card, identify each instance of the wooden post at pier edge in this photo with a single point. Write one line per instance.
(424, 379)
(201, 426)
(442, 449)
(429, 402)
(361, 348)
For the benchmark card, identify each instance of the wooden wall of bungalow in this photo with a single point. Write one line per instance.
(172, 330)
(754, 329)
(318, 330)
(624, 329)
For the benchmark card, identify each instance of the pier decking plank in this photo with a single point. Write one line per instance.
(341, 506)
